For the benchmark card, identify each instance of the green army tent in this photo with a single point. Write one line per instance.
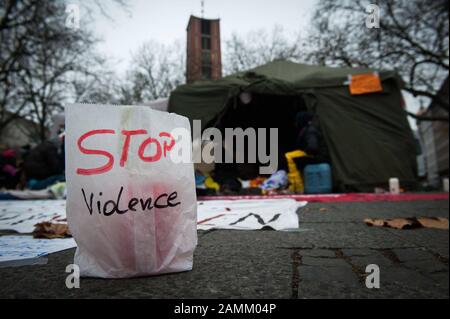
(368, 136)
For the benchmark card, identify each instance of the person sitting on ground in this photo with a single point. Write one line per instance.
(9, 172)
(45, 164)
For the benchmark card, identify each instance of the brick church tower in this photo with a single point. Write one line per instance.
(203, 59)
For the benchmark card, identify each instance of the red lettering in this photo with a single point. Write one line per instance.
(153, 158)
(99, 170)
(165, 146)
(126, 144)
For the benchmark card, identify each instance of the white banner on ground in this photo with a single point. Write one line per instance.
(277, 214)
(22, 215)
(26, 247)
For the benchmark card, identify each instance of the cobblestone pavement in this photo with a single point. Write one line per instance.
(325, 258)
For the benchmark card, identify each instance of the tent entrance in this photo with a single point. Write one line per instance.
(261, 111)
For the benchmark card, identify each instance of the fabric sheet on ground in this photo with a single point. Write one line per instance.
(21, 216)
(277, 214)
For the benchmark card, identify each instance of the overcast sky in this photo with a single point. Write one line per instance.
(166, 21)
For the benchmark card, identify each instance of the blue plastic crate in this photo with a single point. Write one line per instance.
(317, 179)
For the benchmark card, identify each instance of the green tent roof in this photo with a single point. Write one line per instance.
(303, 76)
(205, 99)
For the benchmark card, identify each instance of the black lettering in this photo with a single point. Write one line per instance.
(148, 203)
(133, 202)
(98, 207)
(258, 218)
(106, 213)
(110, 207)
(172, 196)
(157, 205)
(118, 202)
(89, 207)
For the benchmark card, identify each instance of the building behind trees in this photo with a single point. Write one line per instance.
(203, 58)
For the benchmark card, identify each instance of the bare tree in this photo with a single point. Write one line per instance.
(39, 58)
(97, 84)
(156, 70)
(260, 47)
(412, 38)
(17, 18)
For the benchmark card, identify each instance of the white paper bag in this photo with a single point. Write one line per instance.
(130, 207)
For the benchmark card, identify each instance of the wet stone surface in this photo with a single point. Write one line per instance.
(326, 258)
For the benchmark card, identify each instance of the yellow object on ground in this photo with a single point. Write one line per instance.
(210, 183)
(294, 176)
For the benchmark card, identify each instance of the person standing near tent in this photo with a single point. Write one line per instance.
(310, 141)
(309, 149)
